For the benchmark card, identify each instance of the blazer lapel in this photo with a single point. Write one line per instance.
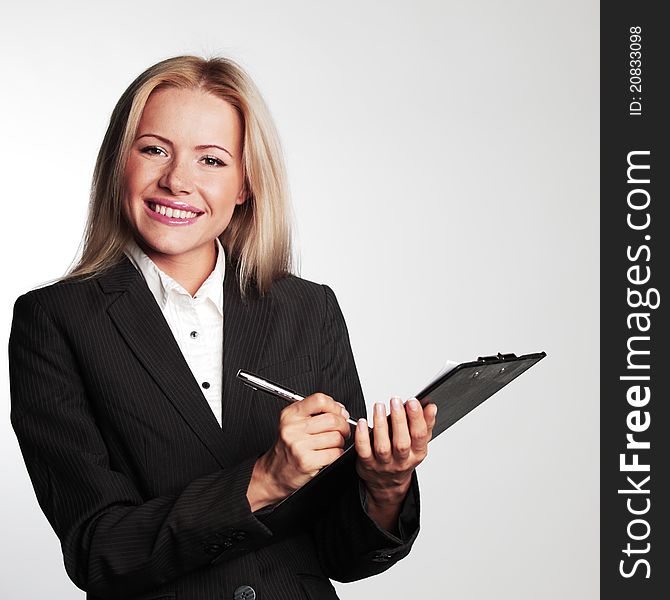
(140, 321)
(246, 323)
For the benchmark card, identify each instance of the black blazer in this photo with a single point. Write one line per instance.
(145, 490)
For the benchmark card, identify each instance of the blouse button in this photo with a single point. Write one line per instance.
(205, 384)
(194, 334)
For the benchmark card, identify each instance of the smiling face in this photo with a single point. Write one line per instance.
(184, 176)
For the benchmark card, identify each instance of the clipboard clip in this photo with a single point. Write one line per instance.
(497, 357)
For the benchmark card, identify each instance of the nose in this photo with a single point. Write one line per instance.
(176, 178)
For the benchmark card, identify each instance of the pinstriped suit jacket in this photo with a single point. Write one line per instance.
(144, 489)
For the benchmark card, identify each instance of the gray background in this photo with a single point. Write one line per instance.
(442, 155)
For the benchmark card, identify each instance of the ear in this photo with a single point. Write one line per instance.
(242, 196)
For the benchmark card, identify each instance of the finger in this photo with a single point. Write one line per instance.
(430, 414)
(328, 439)
(308, 462)
(324, 457)
(401, 440)
(417, 426)
(328, 422)
(362, 441)
(346, 416)
(381, 442)
(320, 403)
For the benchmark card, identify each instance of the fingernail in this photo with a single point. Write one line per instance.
(342, 405)
(396, 403)
(380, 409)
(414, 405)
(345, 412)
(362, 425)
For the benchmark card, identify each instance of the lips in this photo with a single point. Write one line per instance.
(174, 204)
(171, 216)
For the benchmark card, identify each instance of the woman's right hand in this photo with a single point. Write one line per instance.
(311, 436)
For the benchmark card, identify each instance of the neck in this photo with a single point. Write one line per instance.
(189, 269)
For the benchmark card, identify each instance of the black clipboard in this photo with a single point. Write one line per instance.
(456, 393)
(467, 385)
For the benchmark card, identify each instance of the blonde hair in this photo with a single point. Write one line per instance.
(259, 234)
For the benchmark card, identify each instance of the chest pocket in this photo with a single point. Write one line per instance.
(295, 374)
(287, 369)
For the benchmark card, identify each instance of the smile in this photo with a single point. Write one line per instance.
(171, 215)
(171, 212)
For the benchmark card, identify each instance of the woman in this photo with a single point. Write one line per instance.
(153, 464)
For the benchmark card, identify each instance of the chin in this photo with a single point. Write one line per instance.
(169, 248)
(172, 247)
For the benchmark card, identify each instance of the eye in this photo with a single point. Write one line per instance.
(213, 161)
(153, 151)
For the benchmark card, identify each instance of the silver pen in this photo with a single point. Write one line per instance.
(276, 390)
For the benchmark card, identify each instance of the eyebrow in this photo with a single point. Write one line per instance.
(200, 147)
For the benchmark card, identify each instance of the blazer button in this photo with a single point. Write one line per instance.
(244, 592)
(381, 557)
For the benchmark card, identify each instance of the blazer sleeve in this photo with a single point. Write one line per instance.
(350, 544)
(114, 542)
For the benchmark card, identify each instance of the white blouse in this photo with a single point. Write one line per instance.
(196, 321)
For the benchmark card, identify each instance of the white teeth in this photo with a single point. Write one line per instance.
(171, 212)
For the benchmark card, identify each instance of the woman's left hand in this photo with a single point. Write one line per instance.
(386, 464)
